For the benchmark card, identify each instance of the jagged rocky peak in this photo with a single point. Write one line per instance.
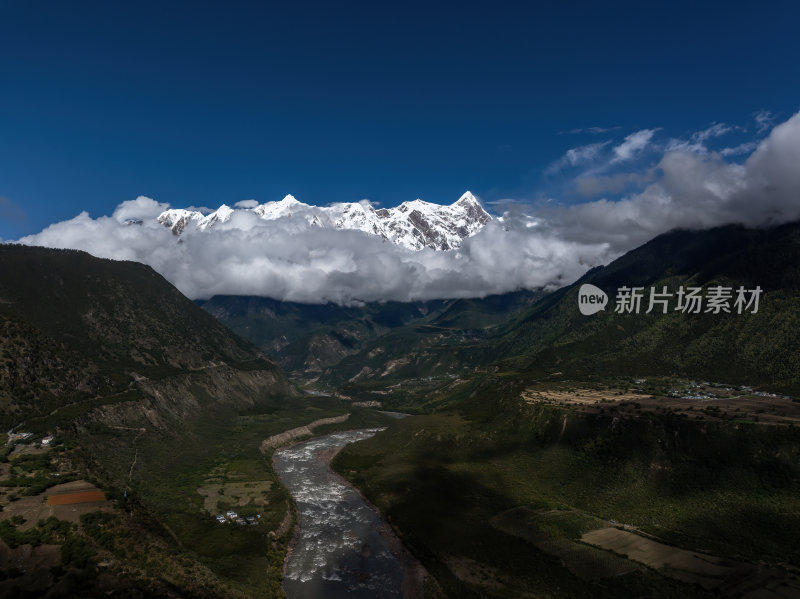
(222, 214)
(414, 225)
(472, 207)
(467, 198)
(177, 219)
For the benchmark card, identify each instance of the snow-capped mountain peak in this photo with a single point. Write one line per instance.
(413, 224)
(222, 214)
(284, 208)
(178, 219)
(467, 198)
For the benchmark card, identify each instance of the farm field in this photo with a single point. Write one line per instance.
(68, 501)
(697, 401)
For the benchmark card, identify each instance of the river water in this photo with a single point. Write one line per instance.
(339, 551)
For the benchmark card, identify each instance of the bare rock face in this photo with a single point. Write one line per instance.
(413, 225)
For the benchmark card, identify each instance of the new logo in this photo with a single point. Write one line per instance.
(591, 299)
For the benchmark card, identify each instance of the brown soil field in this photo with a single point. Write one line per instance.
(689, 566)
(28, 450)
(580, 396)
(727, 577)
(582, 560)
(764, 410)
(71, 498)
(38, 507)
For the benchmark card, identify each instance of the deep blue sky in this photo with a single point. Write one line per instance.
(204, 103)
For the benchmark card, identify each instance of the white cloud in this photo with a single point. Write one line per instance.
(592, 185)
(696, 192)
(743, 148)
(141, 208)
(697, 140)
(292, 260)
(764, 120)
(246, 204)
(577, 156)
(200, 209)
(715, 130)
(503, 202)
(633, 145)
(584, 154)
(683, 145)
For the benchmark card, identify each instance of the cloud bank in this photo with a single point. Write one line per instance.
(288, 259)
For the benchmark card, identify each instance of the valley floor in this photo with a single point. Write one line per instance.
(587, 490)
(652, 488)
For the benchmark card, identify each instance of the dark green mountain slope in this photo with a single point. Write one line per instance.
(307, 339)
(761, 348)
(552, 336)
(74, 327)
(146, 396)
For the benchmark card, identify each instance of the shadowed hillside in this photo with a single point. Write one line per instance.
(553, 338)
(145, 395)
(309, 339)
(761, 348)
(74, 327)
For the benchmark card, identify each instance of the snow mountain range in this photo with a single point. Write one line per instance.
(413, 225)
